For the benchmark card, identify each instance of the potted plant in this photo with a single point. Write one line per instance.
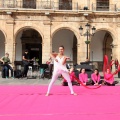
(37, 60)
(87, 41)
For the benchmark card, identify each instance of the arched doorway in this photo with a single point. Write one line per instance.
(31, 40)
(68, 39)
(101, 45)
(2, 44)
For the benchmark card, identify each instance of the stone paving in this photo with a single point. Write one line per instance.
(36, 81)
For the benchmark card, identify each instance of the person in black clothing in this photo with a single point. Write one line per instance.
(116, 63)
(25, 63)
(51, 64)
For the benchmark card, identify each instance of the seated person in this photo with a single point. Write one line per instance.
(96, 78)
(72, 74)
(6, 65)
(109, 78)
(83, 77)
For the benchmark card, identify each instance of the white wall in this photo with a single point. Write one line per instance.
(65, 38)
(18, 47)
(2, 44)
(96, 46)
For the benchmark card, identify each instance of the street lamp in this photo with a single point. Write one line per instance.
(87, 34)
(112, 45)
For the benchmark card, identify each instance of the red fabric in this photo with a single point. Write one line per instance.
(108, 65)
(93, 87)
(71, 77)
(116, 62)
(76, 79)
(109, 78)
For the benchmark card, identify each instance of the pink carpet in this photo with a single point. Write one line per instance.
(30, 103)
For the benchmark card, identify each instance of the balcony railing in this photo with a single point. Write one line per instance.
(7, 4)
(46, 5)
(39, 5)
(103, 7)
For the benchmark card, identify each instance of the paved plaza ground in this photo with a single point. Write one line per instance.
(24, 99)
(37, 81)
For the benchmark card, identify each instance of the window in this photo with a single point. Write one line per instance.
(29, 4)
(65, 4)
(102, 5)
(8, 3)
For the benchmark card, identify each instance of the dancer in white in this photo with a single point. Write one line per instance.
(60, 69)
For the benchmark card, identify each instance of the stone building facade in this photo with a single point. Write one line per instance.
(41, 26)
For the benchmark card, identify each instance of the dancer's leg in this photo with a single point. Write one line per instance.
(67, 77)
(54, 78)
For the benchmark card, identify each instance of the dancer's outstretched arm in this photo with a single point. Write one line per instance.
(65, 59)
(53, 56)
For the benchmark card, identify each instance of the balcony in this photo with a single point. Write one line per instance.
(58, 6)
(42, 5)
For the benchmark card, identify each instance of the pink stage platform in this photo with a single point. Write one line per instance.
(30, 103)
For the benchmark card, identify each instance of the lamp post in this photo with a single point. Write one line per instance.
(87, 34)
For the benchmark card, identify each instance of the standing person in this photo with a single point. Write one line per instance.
(51, 65)
(6, 65)
(26, 61)
(109, 78)
(96, 77)
(83, 77)
(116, 63)
(60, 69)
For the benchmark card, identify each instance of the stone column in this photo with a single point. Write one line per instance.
(46, 43)
(116, 44)
(38, 4)
(93, 4)
(9, 47)
(14, 51)
(114, 56)
(81, 50)
(1, 3)
(116, 47)
(116, 51)
(5, 44)
(19, 4)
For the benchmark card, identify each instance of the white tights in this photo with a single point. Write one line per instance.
(55, 76)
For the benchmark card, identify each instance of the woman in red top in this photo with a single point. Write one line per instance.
(83, 76)
(109, 78)
(96, 77)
